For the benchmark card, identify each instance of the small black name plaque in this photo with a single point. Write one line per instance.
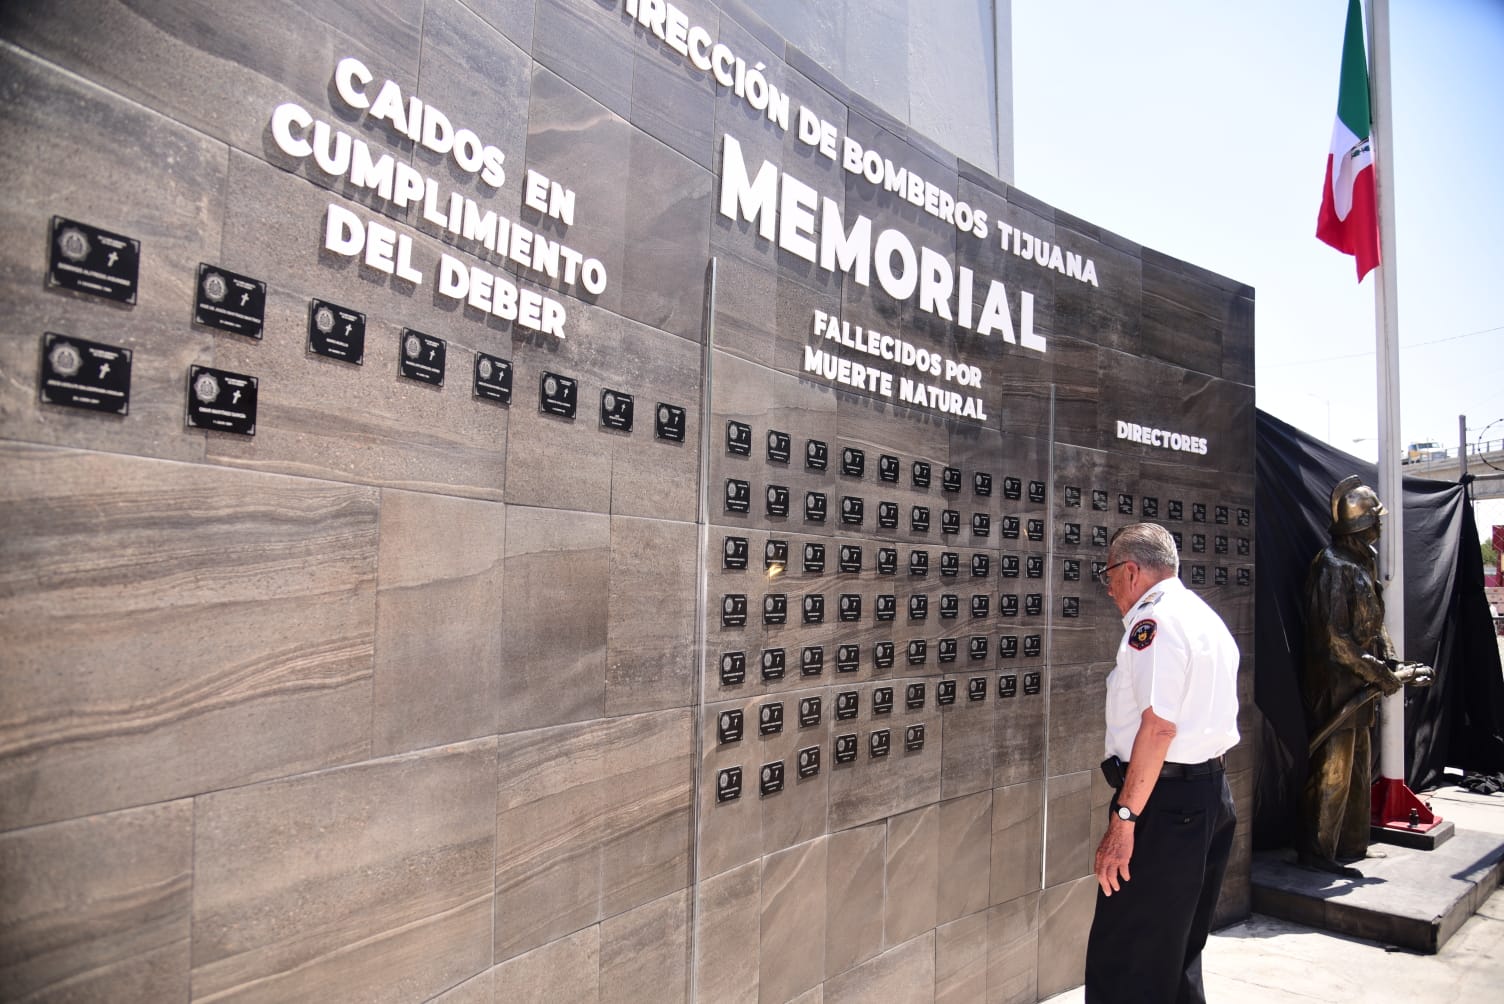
(421, 357)
(229, 301)
(493, 378)
(616, 410)
(220, 400)
(558, 395)
(77, 373)
(669, 423)
(336, 332)
(89, 260)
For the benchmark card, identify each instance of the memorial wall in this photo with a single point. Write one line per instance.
(562, 501)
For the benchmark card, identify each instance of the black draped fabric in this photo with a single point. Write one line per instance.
(1458, 722)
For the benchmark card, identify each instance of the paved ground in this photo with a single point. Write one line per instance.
(1268, 961)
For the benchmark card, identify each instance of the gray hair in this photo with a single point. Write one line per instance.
(1147, 545)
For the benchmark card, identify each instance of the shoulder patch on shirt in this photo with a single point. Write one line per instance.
(1142, 635)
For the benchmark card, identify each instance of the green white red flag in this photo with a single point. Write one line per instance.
(1349, 219)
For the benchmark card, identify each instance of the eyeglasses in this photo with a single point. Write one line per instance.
(1102, 576)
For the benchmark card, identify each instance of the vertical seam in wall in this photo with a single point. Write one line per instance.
(1049, 642)
(702, 585)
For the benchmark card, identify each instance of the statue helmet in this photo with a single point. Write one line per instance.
(1355, 506)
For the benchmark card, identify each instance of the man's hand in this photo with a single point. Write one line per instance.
(1415, 674)
(1113, 855)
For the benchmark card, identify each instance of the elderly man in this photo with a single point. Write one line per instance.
(1172, 709)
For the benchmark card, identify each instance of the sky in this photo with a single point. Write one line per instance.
(1200, 128)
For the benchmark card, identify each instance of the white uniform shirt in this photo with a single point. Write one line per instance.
(1178, 657)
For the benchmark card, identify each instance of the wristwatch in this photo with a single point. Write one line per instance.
(1124, 813)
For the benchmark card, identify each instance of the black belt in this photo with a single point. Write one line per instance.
(1192, 771)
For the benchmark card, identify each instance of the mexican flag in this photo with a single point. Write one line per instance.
(1349, 219)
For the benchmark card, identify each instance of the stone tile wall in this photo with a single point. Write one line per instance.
(416, 696)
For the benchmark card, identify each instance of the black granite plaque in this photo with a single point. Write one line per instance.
(1072, 497)
(1243, 546)
(669, 422)
(848, 704)
(1176, 510)
(1244, 517)
(420, 357)
(775, 608)
(853, 510)
(1007, 605)
(976, 647)
(229, 301)
(1219, 514)
(814, 558)
(919, 607)
(1243, 577)
(770, 718)
(981, 483)
(1031, 645)
(733, 668)
(89, 260)
(1033, 604)
(1071, 569)
(816, 455)
(1198, 512)
(738, 495)
(946, 650)
(887, 560)
(919, 519)
(1010, 566)
(734, 553)
(340, 333)
(1179, 541)
(918, 652)
(1099, 536)
(945, 692)
(814, 609)
(770, 778)
(1072, 533)
(734, 610)
(887, 515)
(1149, 507)
(492, 380)
(950, 606)
(812, 660)
(738, 438)
(853, 462)
(775, 554)
(950, 564)
(848, 658)
(981, 524)
(882, 701)
(1070, 606)
(878, 742)
(1031, 684)
(729, 726)
(976, 688)
(815, 505)
(1125, 504)
(981, 604)
(919, 471)
(778, 501)
(1036, 529)
(950, 521)
(851, 558)
(981, 566)
(883, 655)
(558, 395)
(1036, 492)
(1098, 569)
(913, 738)
(728, 784)
(1007, 686)
(950, 479)
(77, 373)
(780, 447)
(886, 606)
(1013, 488)
(809, 762)
(1010, 527)
(887, 468)
(616, 410)
(221, 400)
(845, 747)
(1219, 576)
(774, 663)
(849, 607)
(1099, 499)
(1007, 646)
(1219, 544)
(1034, 566)
(1198, 575)
(1198, 543)
(919, 562)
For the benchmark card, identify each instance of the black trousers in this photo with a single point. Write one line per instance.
(1146, 938)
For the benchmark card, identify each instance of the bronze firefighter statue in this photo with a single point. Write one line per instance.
(1349, 663)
